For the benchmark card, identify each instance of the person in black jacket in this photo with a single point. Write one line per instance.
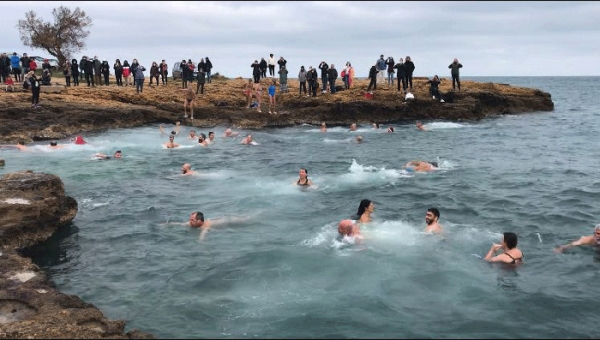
(390, 70)
(207, 68)
(34, 83)
(332, 75)
(324, 75)
(82, 64)
(409, 68)
(184, 74)
(256, 71)
(118, 72)
(281, 62)
(373, 76)
(434, 90)
(454, 72)
(401, 74)
(263, 68)
(312, 78)
(89, 72)
(105, 71)
(201, 80)
(75, 72)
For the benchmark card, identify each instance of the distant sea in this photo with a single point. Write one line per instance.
(284, 273)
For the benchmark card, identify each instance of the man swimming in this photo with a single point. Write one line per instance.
(347, 228)
(248, 140)
(193, 135)
(420, 126)
(103, 156)
(197, 221)
(186, 169)
(421, 166)
(591, 240)
(229, 133)
(202, 140)
(171, 143)
(431, 219)
(211, 137)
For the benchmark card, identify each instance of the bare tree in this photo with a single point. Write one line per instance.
(61, 39)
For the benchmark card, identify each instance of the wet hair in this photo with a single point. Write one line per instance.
(23, 143)
(118, 151)
(53, 144)
(597, 227)
(434, 211)
(510, 239)
(364, 204)
(434, 164)
(203, 136)
(199, 216)
(209, 132)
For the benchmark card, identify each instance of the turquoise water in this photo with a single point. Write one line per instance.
(283, 273)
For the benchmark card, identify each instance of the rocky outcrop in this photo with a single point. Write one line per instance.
(32, 207)
(81, 109)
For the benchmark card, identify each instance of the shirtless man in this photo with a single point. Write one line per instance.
(350, 229)
(21, 146)
(54, 145)
(211, 137)
(420, 126)
(431, 219)
(591, 240)
(421, 166)
(229, 133)
(202, 140)
(186, 169)
(103, 156)
(323, 127)
(197, 221)
(171, 143)
(257, 89)
(248, 140)
(248, 90)
(193, 135)
(190, 99)
(353, 127)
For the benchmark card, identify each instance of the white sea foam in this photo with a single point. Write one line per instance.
(444, 125)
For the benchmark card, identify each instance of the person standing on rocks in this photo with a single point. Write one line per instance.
(67, 73)
(127, 73)
(118, 72)
(263, 68)
(89, 72)
(164, 71)
(302, 80)
(324, 74)
(190, 99)
(34, 84)
(257, 88)
(409, 68)
(248, 93)
(75, 72)
(281, 62)
(139, 78)
(201, 80)
(373, 77)
(256, 71)
(271, 66)
(455, 66)
(272, 101)
(390, 70)
(207, 69)
(105, 70)
(154, 72)
(332, 75)
(283, 80)
(97, 70)
(381, 68)
(401, 74)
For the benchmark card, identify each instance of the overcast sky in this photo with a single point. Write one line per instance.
(488, 38)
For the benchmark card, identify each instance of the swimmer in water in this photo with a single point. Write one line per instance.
(591, 240)
(431, 220)
(211, 137)
(248, 140)
(323, 127)
(421, 166)
(303, 180)
(55, 145)
(103, 156)
(186, 169)
(229, 133)
(353, 127)
(358, 139)
(197, 220)
(365, 209)
(193, 135)
(347, 228)
(390, 129)
(171, 143)
(420, 126)
(510, 255)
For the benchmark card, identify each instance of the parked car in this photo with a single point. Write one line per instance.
(177, 70)
(39, 61)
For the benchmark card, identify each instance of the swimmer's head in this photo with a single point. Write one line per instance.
(118, 154)
(53, 144)
(597, 231)
(434, 164)
(359, 139)
(511, 240)
(173, 133)
(364, 204)
(303, 172)
(345, 228)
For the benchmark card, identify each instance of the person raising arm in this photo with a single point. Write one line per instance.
(591, 240)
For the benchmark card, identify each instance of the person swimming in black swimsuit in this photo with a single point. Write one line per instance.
(303, 180)
(511, 254)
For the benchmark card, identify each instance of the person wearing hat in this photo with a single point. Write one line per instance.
(591, 240)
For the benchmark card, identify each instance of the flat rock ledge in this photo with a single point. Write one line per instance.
(33, 206)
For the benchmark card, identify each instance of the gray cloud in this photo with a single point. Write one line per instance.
(489, 38)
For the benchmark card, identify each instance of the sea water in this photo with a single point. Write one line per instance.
(283, 273)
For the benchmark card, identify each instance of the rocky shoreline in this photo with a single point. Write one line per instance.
(34, 206)
(77, 110)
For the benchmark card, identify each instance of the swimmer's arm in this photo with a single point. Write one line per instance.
(169, 222)
(584, 240)
(160, 128)
(203, 231)
(490, 255)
